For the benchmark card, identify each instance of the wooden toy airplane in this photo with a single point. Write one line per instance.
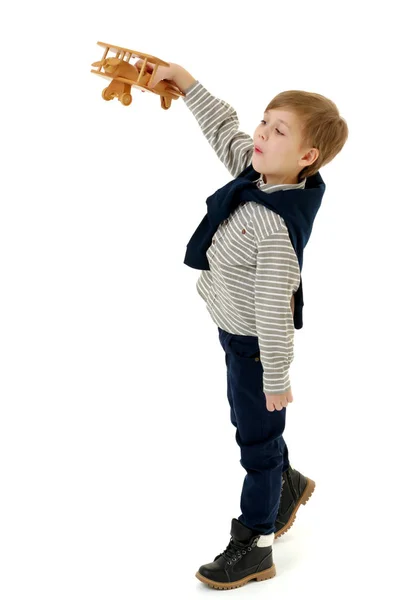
(124, 75)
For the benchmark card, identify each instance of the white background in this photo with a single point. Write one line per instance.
(119, 468)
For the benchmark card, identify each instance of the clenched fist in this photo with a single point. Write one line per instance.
(278, 401)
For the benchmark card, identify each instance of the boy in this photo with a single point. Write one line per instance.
(250, 280)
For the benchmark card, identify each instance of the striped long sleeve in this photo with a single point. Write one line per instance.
(277, 273)
(220, 125)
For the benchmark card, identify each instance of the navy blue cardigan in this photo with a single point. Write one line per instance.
(298, 208)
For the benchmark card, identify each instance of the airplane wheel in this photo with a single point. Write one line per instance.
(165, 102)
(105, 94)
(126, 99)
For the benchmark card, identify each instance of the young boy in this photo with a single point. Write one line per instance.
(250, 280)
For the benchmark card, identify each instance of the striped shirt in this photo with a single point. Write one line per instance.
(254, 270)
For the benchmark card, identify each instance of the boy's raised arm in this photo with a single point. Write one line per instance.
(220, 125)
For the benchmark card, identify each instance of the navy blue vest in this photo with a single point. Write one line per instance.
(297, 207)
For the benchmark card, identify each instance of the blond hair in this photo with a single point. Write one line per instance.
(322, 127)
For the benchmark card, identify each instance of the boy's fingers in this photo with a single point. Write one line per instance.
(270, 405)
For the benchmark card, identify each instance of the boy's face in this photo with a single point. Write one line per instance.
(283, 155)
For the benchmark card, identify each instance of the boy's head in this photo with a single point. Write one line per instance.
(312, 134)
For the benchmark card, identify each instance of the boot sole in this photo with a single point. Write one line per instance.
(308, 491)
(218, 585)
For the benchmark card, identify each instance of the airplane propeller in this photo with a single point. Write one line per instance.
(111, 61)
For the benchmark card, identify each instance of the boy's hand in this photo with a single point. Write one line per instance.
(278, 401)
(162, 72)
(174, 73)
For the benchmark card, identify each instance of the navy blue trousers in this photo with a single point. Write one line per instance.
(264, 454)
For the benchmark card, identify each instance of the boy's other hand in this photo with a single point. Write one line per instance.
(278, 401)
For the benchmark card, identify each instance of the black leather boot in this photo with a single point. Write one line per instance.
(247, 556)
(296, 490)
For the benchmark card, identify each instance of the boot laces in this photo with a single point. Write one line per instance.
(236, 549)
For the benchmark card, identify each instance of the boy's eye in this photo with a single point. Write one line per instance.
(275, 128)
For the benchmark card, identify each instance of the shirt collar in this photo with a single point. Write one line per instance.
(273, 187)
